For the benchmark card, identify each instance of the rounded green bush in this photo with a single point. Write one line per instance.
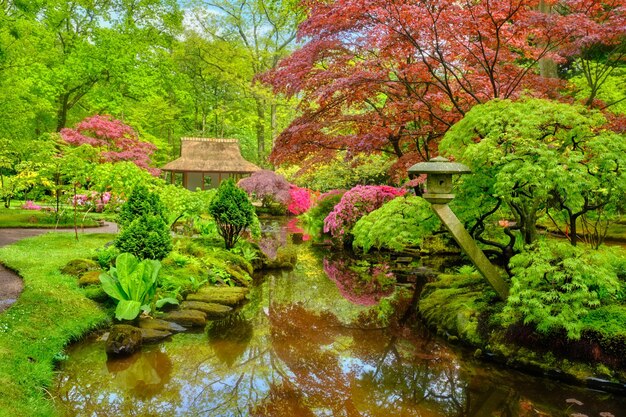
(140, 202)
(232, 212)
(146, 237)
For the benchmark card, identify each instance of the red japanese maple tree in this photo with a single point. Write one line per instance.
(115, 140)
(393, 75)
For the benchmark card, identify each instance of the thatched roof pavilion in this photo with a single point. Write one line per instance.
(204, 163)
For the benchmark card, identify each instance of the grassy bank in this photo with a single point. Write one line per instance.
(14, 217)
(50, 313)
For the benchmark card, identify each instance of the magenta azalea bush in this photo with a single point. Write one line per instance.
(300, 200)
(115, 140)
(29, 205)
(267, 186)
(356, 203)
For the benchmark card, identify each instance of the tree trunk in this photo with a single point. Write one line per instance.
(273, 122)
(62, 112)
(547, 66)
(260, 127)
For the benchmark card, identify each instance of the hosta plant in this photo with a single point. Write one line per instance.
(132, 283)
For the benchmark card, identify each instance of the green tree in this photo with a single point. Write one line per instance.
(536, 156)
(232, 211)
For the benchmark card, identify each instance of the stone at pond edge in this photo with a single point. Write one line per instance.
(187, 318)
(230, 296)
(286, 258)
(151, 335)
(212, 310)
(123, 340)
(162, 325)
(89, 278)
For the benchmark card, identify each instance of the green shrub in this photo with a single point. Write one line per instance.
(232, 212)
(141, 202)
(105, 256)
(555, 285)
(146, 237)
(314, 218)
(132, 283)
(399, 223)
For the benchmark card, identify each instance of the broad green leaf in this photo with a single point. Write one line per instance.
(127, 310)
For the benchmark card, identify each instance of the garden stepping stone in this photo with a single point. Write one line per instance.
(212, 310)
(162, 325)
(187, 318)
(152, 335)
(229, 296)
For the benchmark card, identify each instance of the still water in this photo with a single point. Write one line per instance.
(298, 348)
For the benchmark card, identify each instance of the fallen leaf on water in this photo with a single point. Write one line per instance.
(578, 415)
(606, 414)
(573, 401)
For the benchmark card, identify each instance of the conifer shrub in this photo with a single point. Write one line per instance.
(146, 237)
(140, 202)
(232, 211)
(399, 223)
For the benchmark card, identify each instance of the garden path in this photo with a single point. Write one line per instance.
(11, 284)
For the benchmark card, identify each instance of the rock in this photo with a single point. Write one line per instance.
(151, 335)
(162, 325)
(212, 310)
(123, 340)
(77, 267)
(89, 278)
(230, 296)
(187, 318)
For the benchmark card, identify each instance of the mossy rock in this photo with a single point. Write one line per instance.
(454, 304)
(229, 296)
(123, 340)
(96, 293)
(187, 318)
(153, 336)
(162, 325)
(212, 310)
(89, 278)
(78, 267)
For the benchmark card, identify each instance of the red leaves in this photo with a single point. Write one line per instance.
(116, 141)
(394, 75)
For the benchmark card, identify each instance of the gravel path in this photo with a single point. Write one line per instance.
(11, 284)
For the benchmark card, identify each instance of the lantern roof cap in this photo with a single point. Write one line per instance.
(439, 165)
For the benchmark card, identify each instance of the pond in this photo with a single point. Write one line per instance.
(298, 349)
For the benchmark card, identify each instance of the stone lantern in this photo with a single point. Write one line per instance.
(439, 173)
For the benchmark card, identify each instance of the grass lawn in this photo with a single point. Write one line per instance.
(15, 217)
(51, 312)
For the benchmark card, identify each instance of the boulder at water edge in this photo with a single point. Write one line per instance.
(212, 310)
(187, 318)
(123, 340)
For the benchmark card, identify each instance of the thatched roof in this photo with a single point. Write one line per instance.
(210, 155)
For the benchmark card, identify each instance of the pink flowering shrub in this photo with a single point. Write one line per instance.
(29, 205)
(365, 287)
(267, 186)
(93, 200)
(300, 200)
(356, 203)
(115, 140)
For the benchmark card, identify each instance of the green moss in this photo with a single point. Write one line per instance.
(609, 321)
(50, 313)
(77, 267)
(454, 304)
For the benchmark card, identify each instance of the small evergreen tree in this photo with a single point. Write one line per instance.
(145, 232)
(232, 212)
(141, 202)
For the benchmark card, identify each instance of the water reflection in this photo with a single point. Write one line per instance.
(294, 351)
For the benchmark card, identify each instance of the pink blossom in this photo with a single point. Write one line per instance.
(356, 203)
(267, 186)
(300, 200)
(29, 205)
(115, 140)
